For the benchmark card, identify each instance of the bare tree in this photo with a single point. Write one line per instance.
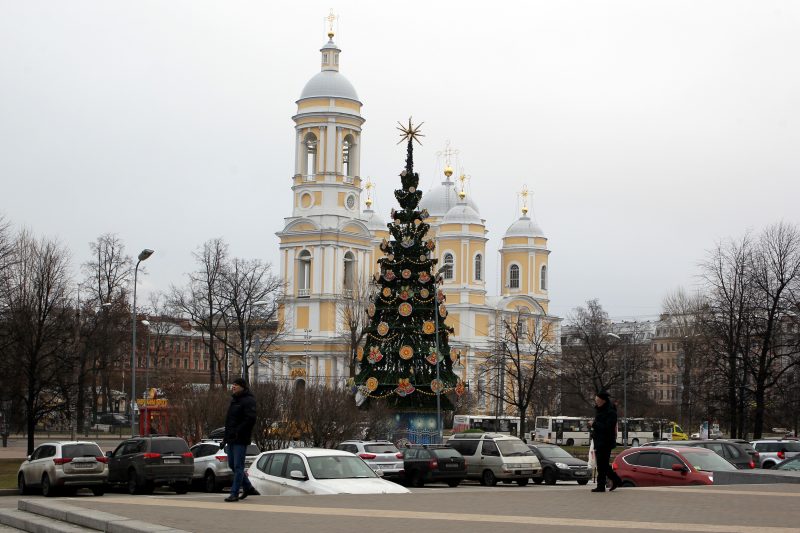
(523, 353)
(36, 291)
(353, 319)
(328, 415)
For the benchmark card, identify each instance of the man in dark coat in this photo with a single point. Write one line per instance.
(604, 436)
(239, 424)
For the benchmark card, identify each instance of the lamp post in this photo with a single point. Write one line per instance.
(624, 391)
(245, 345)
(143, 255)
(146, 393)
(438, 354)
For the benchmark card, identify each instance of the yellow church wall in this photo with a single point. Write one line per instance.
(510, 241)
(476, 228)
(303, 226)
(453, 246)
(521, 259)
(481, 325)
(453, 319)
(477, 299)
(317, 197)
(444, 228)
(341, 199)
(540, 241)
(338, 237)
(301, 316)
(327, 316)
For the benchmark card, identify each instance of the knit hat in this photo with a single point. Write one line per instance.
(603, 395)
(241, 382)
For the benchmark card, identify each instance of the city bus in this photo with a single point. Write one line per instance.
(508, 425)
(642, 430)
(566, 430)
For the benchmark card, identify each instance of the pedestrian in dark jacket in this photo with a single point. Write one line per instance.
(239, 424)
(604, 437)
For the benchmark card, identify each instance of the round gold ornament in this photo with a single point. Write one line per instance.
(360, 353)
(437, 385)
(383, 329)
(387, 292)
(424, 293)
(372, 384)
(406, 273)
(406, 352)
(404, 309)
(442, 310)
(428, 327)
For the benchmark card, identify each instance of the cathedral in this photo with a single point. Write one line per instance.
(330, 244)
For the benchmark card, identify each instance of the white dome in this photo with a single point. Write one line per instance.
(374, 221)
(462, 214)
(439, 200)
(329, 84)
(524, 227)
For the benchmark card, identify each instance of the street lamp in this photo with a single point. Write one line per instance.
(146, 393)
(438, 354)
(245, 346)
(143, 255)
(624, 390)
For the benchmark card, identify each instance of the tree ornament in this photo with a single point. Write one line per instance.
(406, 352)
(430, 245)
(360, 353)
(405, 309)
(404, 387)
(407, 242)
(389, 275)
(460, 389)
(437, 385)
(375, 355)
(372, 384)
(423, 257)
(371, 310)
(406, 273)
(442, 310)
(428, 327)
(384, 245)
(424, 293)
(434, 356)
(440, 295)
(383, 329)
(387, 292)
(376, 276)
(424, 214)
(390, 257)
(405, 293)
(424, 277)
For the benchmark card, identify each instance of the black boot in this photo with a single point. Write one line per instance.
(232, 498)
(599, 488)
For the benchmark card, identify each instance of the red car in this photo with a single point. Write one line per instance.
(668, 465)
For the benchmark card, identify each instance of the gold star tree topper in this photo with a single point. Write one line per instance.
(410, 132)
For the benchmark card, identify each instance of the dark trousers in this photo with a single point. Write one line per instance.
(236, 456)
(603, 455)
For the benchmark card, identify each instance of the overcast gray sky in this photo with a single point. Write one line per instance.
(646, 130)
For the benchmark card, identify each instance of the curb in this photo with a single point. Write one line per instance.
(9, 492)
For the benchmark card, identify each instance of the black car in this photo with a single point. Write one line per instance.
(433, 464)
(559, 465)
(142, 463)
(113, 419)
(733, 452)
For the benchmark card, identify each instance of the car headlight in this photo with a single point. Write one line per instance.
(562, 466)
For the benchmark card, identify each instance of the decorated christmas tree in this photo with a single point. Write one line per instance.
(406, 342)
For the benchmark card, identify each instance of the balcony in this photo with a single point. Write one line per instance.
(309, 177)
(303, 293)
(349, 179)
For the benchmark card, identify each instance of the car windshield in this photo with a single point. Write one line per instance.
(339, 467)
(252, 450)
(791, 464)
(706, 461)
(513, 448)
(71, 451)
(445, 453)
(169, 446)
(554, 452)
(380, 448)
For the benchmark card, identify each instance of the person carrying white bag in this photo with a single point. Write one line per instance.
(592, 460)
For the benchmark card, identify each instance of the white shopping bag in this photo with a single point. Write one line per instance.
(592, 458)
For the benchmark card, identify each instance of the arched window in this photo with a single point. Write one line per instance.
(543, 278)
(349, 273)
(310, 159)
(347, 155)
(448, 263)
(478, 267)
(513, 276)
(523, 315)
(304, 274)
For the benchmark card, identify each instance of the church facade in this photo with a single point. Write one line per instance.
(329, 247)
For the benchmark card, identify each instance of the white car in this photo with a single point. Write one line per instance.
(295, 471)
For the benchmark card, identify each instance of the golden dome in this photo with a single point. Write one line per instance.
(448, 171)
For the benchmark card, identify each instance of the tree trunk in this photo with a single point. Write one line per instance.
(758, 419)
(732, 404)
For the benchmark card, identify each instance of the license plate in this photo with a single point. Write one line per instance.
(581, 473)
(83, 465)
(385, 466)
(171, 461)
(451, 465)
(526, 471)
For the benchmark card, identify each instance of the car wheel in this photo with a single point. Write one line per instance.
(537, 480)
(134, 487)
(550, 477)
(583, 481)
(210, 482)
(522, 482)
(47, 488)
(453, 482)
(488, 478)
(23, 488)
(628, 483)
(635, 443)
(767, 465)
(181, 488)
(98, 491)
(570, 442)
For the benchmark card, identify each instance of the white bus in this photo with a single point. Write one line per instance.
(566, 430)
(640, 430)
(508, 425)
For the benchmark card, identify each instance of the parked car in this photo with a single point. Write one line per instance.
(433, 464)
(68, 465)
(211, 464)
(733, 452)
(669, 465)
(791, 465)
(143, 463)
(316, 471)
(113, 419)
(492, 456)
(559, 465)
(773, 451)
(380, 455)
(754, 455)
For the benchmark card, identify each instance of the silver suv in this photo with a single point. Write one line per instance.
(69, 465)
(380, 455)
(773, 451)
(211, 464)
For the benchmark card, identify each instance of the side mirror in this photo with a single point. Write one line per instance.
(109, 454)
(678, 467)
(28, 458)
(297, 475)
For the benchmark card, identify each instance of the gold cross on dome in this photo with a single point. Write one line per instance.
(524, 194)
(410, 132)
(331, 18)
(447, 153)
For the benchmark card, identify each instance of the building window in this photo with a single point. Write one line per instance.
(310, 159)
(448, 263)
(304, 274)
(349, 273)
(513, 277)
(543, 278)
(478, 267)
(347, 155)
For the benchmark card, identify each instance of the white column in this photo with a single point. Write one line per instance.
(355, 155)
(321, 147)
(321, 264)
(298, 152)
(333, 148)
